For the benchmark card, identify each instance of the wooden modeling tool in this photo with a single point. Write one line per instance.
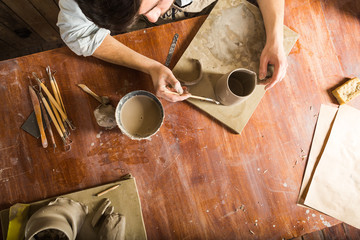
(37, 110)
(54, 102)
(47, 106)
(55, 88)
(107, 190)
(198, 97)
(47, 122)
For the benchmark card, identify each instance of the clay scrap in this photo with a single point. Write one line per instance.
(105, 112)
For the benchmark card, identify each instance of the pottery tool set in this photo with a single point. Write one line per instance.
(46, 109)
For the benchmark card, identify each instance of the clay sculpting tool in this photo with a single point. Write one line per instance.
(55, 88)
(58, 100)
(171, 50)
(107, 190)
(53, 101)
(37, 110)
(47, 123)
(48, 109)
(102, 100)
(198, 97)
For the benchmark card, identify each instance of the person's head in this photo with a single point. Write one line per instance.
(118, 15)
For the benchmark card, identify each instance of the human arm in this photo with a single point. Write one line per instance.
(273, 52)
(115, 52)
(86, 39)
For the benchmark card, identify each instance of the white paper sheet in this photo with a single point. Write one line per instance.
(322, 132)
(335, 187)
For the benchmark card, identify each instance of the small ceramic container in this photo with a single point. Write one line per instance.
(64, 215)
(139, 115)
(235, 86)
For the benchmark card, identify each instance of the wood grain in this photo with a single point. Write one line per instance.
(196, 179)
(29, 14)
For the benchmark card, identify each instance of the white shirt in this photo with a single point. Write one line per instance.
(83, 36)
(80, 34)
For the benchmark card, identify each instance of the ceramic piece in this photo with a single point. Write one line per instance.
(63, 214)
(235, 86)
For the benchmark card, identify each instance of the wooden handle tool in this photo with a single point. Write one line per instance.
(47, 122)
(37, 110)
(53, 101)
(52, 116)
(198, 97)
(88, 90)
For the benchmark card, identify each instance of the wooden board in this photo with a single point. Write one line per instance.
(222, 45)
(124, 199)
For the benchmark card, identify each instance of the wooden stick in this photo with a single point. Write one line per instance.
(88, 90)
(48, 109)
(107, 190)
(37, 110)
(47, 122)
(58, 118)
(198, 97)
(58, 91)
(52, 99)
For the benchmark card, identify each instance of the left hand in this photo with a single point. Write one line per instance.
(273, 54)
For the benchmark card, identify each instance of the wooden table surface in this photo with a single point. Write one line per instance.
(196, 179)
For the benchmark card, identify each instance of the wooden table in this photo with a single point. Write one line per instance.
(196, 179)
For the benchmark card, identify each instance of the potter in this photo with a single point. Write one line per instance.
(235, 86)
(85, 28)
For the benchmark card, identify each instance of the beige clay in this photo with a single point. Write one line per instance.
(140, 116)
(190, 71)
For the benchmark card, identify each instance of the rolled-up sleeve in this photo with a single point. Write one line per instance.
(80, 34)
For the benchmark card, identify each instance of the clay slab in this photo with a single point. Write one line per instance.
(232, 36)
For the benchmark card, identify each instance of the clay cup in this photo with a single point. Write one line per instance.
(235, 86)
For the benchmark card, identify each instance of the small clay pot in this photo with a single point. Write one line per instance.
(139, 115)
(235, 86)
(63, 214)
(189, 71)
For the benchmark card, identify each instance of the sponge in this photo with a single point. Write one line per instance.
(347, 91)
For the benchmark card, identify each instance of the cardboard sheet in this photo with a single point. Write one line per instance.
(232, 36)
(335, 187)
(322, 131)
(125, 200)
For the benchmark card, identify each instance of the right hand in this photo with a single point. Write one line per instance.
(165, 82)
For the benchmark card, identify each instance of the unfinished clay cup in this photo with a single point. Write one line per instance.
(62, 217)
(235, 86)
(139, 115)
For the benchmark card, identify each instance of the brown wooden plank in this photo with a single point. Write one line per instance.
(26, 11)
(49, 10)
(313, 236)
(351, 232)
(220, 185)
(24, 33)
(336, 232)
(10, 37)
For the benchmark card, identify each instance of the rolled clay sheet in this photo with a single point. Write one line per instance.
(335, 187)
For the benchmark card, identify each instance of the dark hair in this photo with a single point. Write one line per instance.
(115, 15)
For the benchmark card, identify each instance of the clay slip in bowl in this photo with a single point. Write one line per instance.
(139, 115)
